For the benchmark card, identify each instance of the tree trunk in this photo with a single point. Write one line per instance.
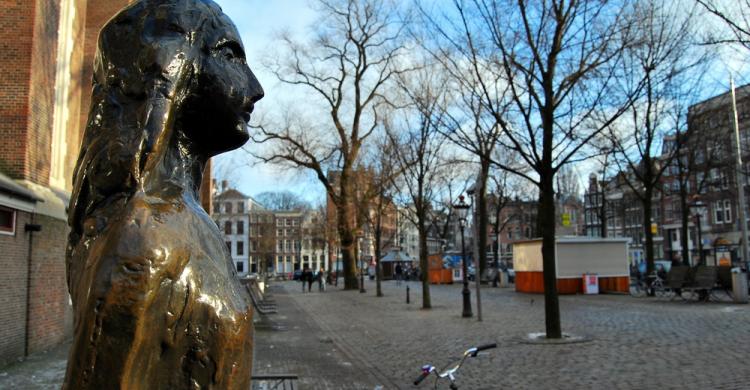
(378, 270)
(346, 237)
(423, 261)
(649, 244)
(481, 190)
(346, 222)
(546, 223)
(685, 219)
(603, 212)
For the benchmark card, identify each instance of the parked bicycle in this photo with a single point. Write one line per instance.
(450, 370)
(639, 285)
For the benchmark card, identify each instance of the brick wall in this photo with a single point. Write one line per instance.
(13, 278)
(16, 35)
(49, 291)
(42, 91)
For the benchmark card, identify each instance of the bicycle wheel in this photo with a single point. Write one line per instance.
(637, 289)
(660, 291)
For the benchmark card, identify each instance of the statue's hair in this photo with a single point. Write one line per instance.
(145, 59)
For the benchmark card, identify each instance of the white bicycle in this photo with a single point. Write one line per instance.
(450, 370)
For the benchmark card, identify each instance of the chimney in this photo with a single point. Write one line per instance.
(224, 185)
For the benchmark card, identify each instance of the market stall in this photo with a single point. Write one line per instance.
(604, 258)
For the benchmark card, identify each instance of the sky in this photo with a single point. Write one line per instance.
(260, 22)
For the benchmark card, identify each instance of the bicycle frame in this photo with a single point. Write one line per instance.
(450, 370)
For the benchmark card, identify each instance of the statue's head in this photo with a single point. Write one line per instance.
(166, 72)
(189, 55)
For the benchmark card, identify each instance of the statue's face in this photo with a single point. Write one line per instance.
(222, 92)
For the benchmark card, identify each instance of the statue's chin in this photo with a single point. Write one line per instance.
(230, 140)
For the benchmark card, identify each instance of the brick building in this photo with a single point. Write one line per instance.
(273, 241)
(708, 164)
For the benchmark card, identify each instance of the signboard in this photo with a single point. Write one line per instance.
(566, 219)
(653, 228)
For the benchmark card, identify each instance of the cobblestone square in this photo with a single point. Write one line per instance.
(347, 340)
(362, 342)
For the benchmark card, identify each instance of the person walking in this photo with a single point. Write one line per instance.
(310, 279)
(303, 277)
(322, 280)
(399, 272)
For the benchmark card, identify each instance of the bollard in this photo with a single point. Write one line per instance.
(407, 294)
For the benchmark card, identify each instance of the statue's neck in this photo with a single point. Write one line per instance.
(178, 173)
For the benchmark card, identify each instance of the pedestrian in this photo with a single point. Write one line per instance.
(303, 278)
(322, 280)
(399, 272)
(310, 279)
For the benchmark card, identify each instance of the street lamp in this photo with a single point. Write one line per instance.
(462, 209)
(699, 208)
(361, 264)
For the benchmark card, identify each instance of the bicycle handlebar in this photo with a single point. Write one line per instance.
(421, 378)
(426, 370)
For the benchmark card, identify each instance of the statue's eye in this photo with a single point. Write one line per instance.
(231, 51)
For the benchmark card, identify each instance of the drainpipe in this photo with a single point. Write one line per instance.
(29, 228)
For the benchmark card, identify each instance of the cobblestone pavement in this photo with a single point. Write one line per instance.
(347, 340)
(634, 343)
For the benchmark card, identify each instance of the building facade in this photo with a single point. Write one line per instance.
(700, 185)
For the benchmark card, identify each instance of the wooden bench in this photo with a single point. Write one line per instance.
(703, 282)
(261, 301)
(677, 278)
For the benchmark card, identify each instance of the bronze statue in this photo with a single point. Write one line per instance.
(156, 299)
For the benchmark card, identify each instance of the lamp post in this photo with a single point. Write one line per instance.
(699, 208)
(361, 264)
(462, 209)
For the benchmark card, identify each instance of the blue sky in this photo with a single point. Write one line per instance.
(259, 23)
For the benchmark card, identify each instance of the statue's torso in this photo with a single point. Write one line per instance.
(165, 307)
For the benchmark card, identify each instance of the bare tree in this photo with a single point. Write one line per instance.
(735, 15)
(668, 60)
(468, 125)
(376, 209)
(543, 71)
(420, 156)
(346, 66)
(282, 200)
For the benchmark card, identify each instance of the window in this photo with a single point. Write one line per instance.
(280, 246)
(217, 208)
(727, 211)
(240, 266)
(228, 227)
(279, 232)
(718, 212)
(228, 207)
(240, 227)
(240, 207)
(288, 222)
(7, 221)
(240, 248)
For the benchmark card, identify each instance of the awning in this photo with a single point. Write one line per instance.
(396, 257)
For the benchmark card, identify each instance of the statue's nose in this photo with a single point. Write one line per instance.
(255, 91)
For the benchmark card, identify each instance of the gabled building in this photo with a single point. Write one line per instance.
(231, 212)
